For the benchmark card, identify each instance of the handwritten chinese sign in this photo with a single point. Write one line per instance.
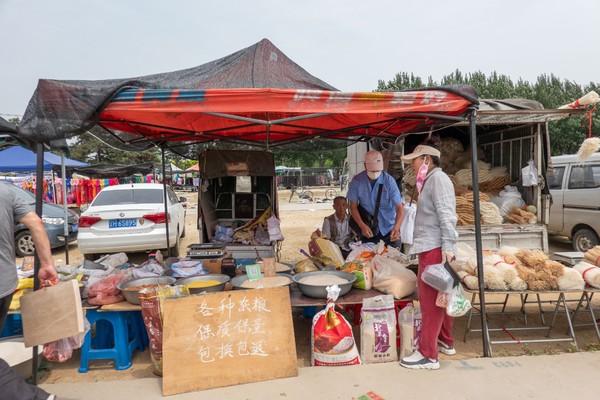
(227, 338)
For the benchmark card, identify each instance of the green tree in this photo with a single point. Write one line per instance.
(550, 90)
(89, 149)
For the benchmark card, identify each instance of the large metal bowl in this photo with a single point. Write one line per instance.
(132, 296)
(320, 292)
(240, 279)
(223, 279)
(283, 269)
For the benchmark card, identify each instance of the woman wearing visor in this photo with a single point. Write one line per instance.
(434, 241)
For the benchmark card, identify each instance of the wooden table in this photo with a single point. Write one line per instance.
(121, 306)
(355, 296)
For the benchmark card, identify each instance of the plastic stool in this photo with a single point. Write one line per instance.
(119, 346)
(13, 326)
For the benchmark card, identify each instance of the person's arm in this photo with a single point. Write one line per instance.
(444, 201)
(326, 229)
(396, 199)
(42, 245)
(364, 228)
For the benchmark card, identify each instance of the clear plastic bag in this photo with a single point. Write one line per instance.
(407, 228)
(105, 291)
(529, 174)
(438, 277)
(62, 350)
(458, 304)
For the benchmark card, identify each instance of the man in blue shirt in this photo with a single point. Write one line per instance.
(363, 191)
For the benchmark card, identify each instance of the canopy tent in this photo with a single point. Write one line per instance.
(256, 96)
(175, 168)
(193, 168)
(19, 159)
(50, 115)
(112, 170)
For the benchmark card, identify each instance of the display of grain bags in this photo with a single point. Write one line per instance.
(409, 321)
(332, 340)
(378, 330)
(392, 277)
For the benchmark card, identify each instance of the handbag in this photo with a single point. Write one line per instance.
(370, 220)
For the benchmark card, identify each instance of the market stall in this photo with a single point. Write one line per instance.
(175, 110)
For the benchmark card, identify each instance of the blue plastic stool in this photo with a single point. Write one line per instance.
(13, 326)
(117, 336)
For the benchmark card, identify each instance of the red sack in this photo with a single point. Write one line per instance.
(332, 340)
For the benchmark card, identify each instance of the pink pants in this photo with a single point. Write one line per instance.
(435, 323)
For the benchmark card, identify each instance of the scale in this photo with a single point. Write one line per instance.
(205, 250)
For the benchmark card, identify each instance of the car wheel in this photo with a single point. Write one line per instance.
(24, 244)
(584, 239)
(175, 249)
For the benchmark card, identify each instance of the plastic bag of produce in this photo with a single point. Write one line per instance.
(458, 304)
(332, 341)
(438, 276)
(378, 330)
(363, 273)
(62, 350)
(105, 290)
(409, 321)
(150, 301)
(529, 174)
(185, 268)
(392, 277)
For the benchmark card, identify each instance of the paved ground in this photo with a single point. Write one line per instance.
(565, 376)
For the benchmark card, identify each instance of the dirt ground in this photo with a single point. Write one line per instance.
(299, 219)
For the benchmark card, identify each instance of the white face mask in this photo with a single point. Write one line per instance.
(373, 174)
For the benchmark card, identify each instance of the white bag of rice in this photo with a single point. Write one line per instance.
(378, 330)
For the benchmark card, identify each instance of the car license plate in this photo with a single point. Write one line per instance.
(122, 223)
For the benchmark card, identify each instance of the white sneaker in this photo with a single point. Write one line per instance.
(444, 348)
(418, 361)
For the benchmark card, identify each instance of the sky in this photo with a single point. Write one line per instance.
(349, 44)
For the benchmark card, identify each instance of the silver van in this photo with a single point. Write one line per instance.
(575, 190)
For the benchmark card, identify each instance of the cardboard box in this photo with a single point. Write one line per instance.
(212, 265)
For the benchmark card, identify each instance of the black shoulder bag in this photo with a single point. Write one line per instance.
(372, 221)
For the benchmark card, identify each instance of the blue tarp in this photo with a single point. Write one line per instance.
(18, 159)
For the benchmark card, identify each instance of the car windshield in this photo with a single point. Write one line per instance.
(129, 196)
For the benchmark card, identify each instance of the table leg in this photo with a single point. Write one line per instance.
(539, 301)
(568, 315)
(554, 314)
(523, 302)
(505, 302)
(469, 317)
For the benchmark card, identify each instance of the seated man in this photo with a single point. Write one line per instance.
(335, 226)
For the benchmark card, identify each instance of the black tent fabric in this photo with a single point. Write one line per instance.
(112, 170)
(49, 116)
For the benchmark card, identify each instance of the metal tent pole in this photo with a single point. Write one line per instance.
(63, 174)
(39, 188)
(164, 176)
(478, 243)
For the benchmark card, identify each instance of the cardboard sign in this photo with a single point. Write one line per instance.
(52, 313)
(227, 338)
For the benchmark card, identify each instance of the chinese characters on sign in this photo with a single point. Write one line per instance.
(236, 329)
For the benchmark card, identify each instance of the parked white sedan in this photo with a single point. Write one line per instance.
(131, 217)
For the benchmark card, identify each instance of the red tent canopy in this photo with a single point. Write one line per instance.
(278, 116)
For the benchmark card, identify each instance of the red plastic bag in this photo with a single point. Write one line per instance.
(105, 291)
(332, 340)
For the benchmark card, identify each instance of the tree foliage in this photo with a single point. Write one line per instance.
(550, 90)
